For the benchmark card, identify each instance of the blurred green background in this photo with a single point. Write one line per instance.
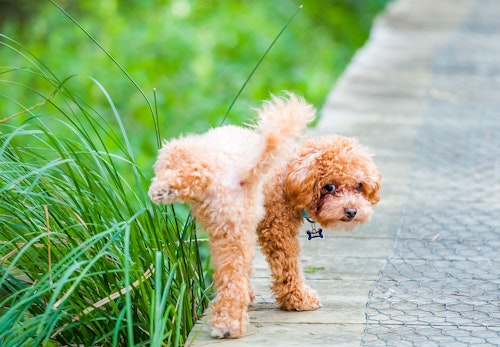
(196, 55)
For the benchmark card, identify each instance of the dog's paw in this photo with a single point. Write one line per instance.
(302, 299)
(227, 330)
(228, 322)
(162, 195)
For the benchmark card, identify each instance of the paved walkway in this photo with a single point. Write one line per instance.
(424, 95)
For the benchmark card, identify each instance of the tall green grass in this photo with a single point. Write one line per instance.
(85, 258)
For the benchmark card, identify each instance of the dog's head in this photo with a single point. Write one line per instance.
(180, 175)
(335, 181)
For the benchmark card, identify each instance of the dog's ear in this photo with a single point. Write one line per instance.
(372, 186)
(300, 180)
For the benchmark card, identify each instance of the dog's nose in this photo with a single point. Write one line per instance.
(350, 212)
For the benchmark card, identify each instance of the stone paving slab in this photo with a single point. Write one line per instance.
(383, 99)
(440, 285)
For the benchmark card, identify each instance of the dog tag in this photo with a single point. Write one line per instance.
(314, 233)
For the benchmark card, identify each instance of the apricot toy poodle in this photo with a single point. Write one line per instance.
(221, 174)
(331, 181)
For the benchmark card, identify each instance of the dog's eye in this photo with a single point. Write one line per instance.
(359, 187)
(329, 188)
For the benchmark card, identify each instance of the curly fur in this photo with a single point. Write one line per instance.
(220, 174)
(302, 184)
(239, 181)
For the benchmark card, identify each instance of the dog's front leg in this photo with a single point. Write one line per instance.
(279, 243)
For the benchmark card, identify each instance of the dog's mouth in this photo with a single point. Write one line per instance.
(342, 213)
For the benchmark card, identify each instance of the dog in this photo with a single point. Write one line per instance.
(331, 180)
(220, 174)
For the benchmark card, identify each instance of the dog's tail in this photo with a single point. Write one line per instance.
(280, 120)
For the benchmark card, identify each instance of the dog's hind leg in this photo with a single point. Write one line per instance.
(232, 252)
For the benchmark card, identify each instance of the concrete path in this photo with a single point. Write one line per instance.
(424, 96)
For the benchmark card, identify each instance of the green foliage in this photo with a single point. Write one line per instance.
(195, 54)
(86, 259)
